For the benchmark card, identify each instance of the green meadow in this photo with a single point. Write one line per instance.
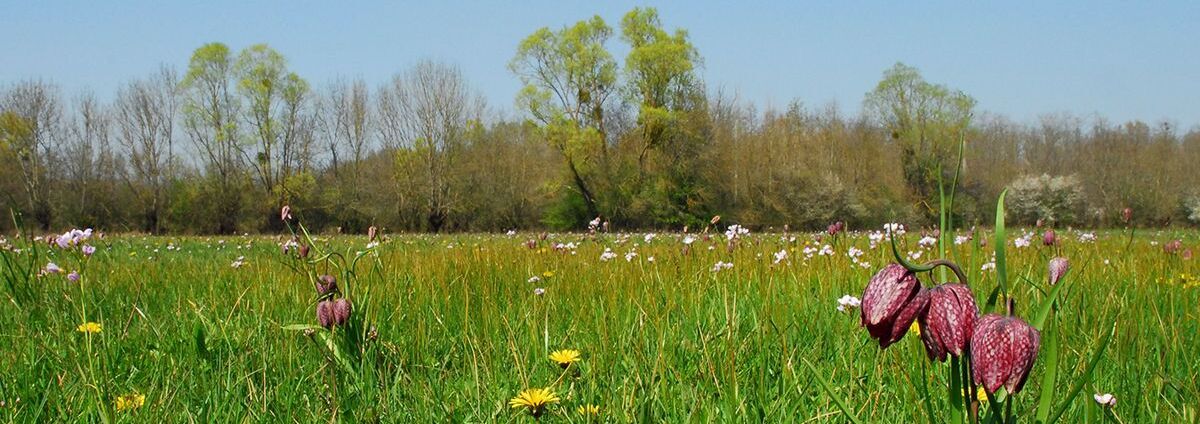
(451, 328)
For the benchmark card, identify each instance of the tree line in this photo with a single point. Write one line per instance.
(640, 141)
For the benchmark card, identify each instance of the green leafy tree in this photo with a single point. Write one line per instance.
(926, 119)
(210, 119)
(569, 78)
(276, 116)
(662, 82)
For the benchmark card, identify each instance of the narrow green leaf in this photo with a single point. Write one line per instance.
(1087, 375)
(1039, 320)
(837, 400)
(1050, 352)
(1001, 268)
(904, 262)
(955, 398)
(301, 327)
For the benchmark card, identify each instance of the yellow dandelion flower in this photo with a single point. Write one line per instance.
(588, 410)
(547, 274)
(534, 401)
(981, 395)
(915, 329)
(129, 402)
(564, 358)
(89, 327)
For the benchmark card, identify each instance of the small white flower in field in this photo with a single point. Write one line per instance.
(52, 268)
(735, 232)
(630, 255)
(875, 237)
(990, 266)
(648, 237)
(1106, 400)
(720, 266)
(539, 291)
(688, 239)
(809, 251)
(372, 245)
(927, 242)
(781, 256)
(893, 227)
(865, 265)
(535, 279)
(915, 255)
(847, 302)
(511, 233)
(711, 247)
(1023, 241)
(1087, 237)
(961, 239)
(650, 259)
(1107, 262)
(239, 262)
(854, 253)
(826, 250)
(607, 255)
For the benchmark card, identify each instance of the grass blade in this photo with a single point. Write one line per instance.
(1087, 375)
(837, 400)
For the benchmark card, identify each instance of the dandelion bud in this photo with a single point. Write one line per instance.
(891, 302)
(1058, 267)
(325, 314)
(341, 311)
(1048, 238)
(946, 328)
(1003, 350)
(326, 284)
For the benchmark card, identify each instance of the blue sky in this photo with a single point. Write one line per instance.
(1120, 60)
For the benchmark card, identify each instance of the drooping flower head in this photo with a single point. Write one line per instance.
(325, 313)
(1003, 350)
(285, 213)
(341, 311)
(1127, 215)
(949, 322)
(1058, 266)
(1049, 238)
(891, 302)
(326, 284)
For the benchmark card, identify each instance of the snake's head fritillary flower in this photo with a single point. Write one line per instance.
(341, 311)
(285, 213)
(325, 313)
(326, 284)
(1106, 400)
(1049, 238)
(303, 251)
(949, 322)
(1003, 350)
(371, 233)
(1127, 215)
(1172, 246)
(891, 302)
(1058, 266)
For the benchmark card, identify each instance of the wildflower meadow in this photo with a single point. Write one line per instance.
(724, 324)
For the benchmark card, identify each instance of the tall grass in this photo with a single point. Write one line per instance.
(460, 331)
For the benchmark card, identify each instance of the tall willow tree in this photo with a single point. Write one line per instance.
(662, 82)
(926, 120)
(276, 116)
(210, 119)
(569, 79)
